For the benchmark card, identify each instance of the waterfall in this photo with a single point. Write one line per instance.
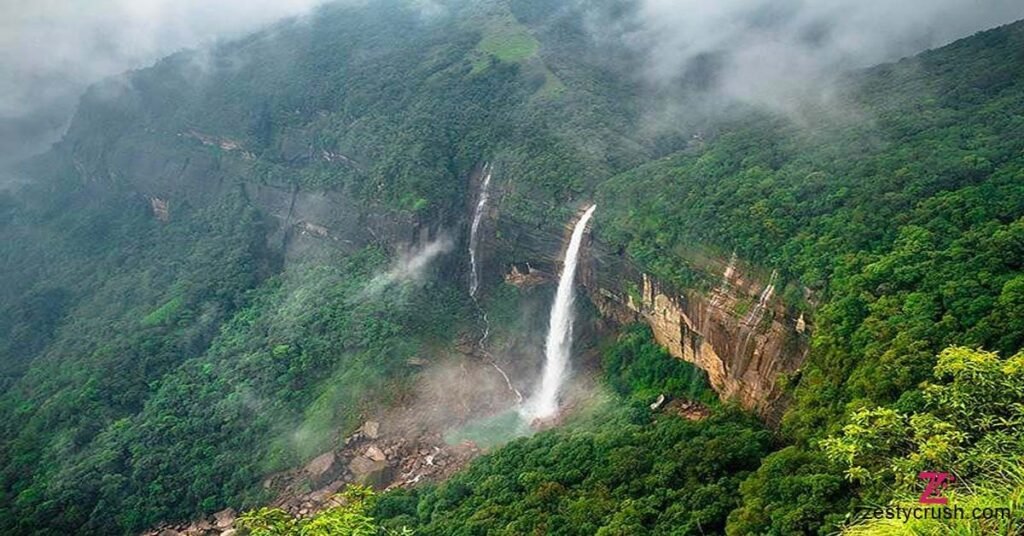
(755, 315)
(474, 239)
(751, 321)
(544, 402)
(474, 280)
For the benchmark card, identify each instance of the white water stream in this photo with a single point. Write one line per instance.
(544, 402)
(474, 230)
(474, 278)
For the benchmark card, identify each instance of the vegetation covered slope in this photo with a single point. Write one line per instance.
(147, 364)
(904, 223)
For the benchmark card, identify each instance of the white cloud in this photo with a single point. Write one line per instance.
(770, 50)
(50, 50)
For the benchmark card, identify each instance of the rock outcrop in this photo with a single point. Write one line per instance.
(739, 331)
(736, 328)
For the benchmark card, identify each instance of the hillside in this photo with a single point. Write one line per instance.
(236, 256)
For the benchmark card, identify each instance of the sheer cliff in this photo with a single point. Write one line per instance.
(193, 274)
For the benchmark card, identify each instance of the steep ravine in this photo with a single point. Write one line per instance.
(744, 345)
(740, 332)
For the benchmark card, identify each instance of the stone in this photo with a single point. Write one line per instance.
(371, 429)
(320, 465)
(369, 472)
(230, 532)
(225, 518)
(199, 527)
(375, 454)
(657, 403)
(159, 207)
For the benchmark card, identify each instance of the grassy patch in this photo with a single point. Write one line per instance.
(509, 43)
(504, 39)
(162, 313)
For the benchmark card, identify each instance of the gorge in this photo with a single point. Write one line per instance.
(361, 248)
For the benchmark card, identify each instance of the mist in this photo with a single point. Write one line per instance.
(51, 50)
(763, 52)
(410, 266)
(779, 53)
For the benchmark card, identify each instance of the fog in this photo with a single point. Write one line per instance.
(410, 266)
(775, 52)
(50, 50)
(765, 52)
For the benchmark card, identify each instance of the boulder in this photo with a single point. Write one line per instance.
(320, 465)
(199, 528)
(225, 518)
(371, 429)
(375, 454)
(370, 472)
(657, 403)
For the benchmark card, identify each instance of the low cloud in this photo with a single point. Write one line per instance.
(50, 50)
(410, 266)
(772, 52)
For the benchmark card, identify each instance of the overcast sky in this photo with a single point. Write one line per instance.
(51, 49)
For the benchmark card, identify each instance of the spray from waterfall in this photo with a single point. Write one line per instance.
(474, 279)
(544, 402)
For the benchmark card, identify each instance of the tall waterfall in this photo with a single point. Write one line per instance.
(474, 240)
(544, 402)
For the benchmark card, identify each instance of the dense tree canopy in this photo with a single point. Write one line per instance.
(156, 366)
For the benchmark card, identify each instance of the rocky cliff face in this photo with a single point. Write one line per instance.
(740, 332)
(171, 171)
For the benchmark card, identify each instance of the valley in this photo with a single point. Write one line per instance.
(394, 270)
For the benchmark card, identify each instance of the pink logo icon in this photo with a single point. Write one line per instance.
(937, 482)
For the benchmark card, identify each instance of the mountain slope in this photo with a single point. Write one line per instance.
(193, 292)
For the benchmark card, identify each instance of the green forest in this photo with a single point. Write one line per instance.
(156, 364)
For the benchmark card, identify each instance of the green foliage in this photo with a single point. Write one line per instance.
(508, 41)
(970, 425)
(350, 517)
(794, 491)
(619, 473)
(994, 491)
(637, 365)
(268, 521)
(162, 313)
(971, 421)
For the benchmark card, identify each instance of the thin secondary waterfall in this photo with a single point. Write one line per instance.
(544, 402)
(474, 278)
(753, 319)
(474, 229)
